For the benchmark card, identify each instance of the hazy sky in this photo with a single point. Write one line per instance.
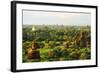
(66, 18)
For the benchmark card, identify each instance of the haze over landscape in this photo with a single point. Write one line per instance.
(51, 18)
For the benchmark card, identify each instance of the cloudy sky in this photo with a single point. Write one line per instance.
(66, 18)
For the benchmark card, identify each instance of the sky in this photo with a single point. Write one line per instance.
(51, 18)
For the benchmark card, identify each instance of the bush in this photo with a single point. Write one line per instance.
(74, 55)
(52, 44)
(57, 51)
(83, 56)
(27, 44)
(51, 54)
(41, 45)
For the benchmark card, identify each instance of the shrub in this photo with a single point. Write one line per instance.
(83, 56)
(74, 55)
(27, 44)
(41, 45)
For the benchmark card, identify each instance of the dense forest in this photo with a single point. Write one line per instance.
(56, 43)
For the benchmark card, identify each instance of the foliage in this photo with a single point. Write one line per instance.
(58, 43)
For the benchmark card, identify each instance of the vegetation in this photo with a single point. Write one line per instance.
(57, 42)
